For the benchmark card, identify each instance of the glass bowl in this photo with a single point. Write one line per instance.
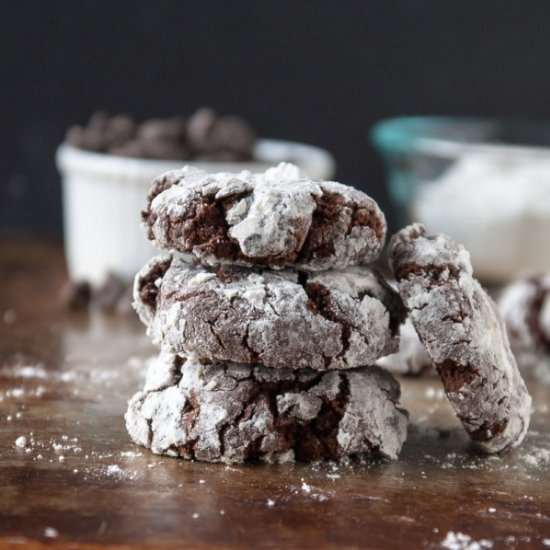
(484, 182)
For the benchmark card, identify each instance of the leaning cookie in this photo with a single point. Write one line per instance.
(234, 413)
(276, 219)
(525, 307)
(464, 336)
(327, 320)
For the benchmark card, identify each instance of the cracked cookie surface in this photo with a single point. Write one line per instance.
(234, 413)
(462, 331)
(328, 320)
(275, 219)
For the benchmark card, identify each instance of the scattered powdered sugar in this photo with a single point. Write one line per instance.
(25, 371)
(536, 457)
(130, 454)
(51, 532)
(21, 441)
(461, 541)
(309, 491)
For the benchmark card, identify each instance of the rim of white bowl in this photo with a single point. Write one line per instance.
(317, 163)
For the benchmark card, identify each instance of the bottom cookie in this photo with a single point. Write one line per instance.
(234, 413)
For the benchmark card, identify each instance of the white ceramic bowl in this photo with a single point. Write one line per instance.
(103, 196)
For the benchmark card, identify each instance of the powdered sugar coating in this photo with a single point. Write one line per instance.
(329, 320)
(275, 219)
(464, 336)
(232, 413)
(525, 307)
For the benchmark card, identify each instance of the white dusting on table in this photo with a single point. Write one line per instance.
(461, 541)
(51, 532)
(536, 457)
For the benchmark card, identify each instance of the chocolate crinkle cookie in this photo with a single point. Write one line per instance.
(326, 320)
(464, 335)
(234, 413)
(525, 307)
(275, 219)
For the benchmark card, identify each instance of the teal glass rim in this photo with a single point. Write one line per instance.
(452, 136)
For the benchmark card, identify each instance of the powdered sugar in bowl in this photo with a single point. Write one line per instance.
(484, 182)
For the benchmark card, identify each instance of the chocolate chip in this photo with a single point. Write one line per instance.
(233, 134)
(98, 121)
(199, 128)
(164, 150)
(132, 148)
(159, 129)
(121, 129)
(205, 137)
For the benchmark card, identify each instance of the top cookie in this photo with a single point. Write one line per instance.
(275, 219)
(459, 325)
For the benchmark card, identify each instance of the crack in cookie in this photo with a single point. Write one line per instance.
(277, 219)
(236, 413)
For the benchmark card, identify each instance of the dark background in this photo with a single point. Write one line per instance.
(321, 72)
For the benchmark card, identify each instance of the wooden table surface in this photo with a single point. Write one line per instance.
(79, 482)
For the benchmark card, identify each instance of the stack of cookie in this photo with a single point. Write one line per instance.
(268, 318)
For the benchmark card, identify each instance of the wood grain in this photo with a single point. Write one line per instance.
(80, 474)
